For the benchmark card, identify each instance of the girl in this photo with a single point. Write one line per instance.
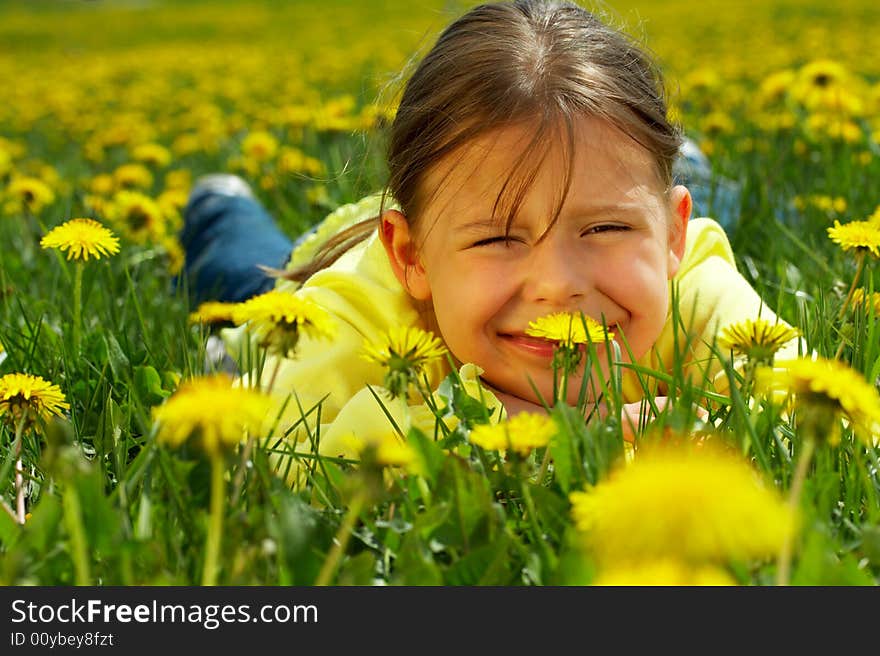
(531, 172)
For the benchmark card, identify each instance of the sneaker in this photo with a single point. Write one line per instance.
(225, 184)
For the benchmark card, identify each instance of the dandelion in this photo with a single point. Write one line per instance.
(133, 176)
(216, 416)
(385, 449)
(152, 154)
(278, 319)
(28, 194)
(404, 351)
(259, 146)
(825, 390)
(862, 298)
(758, 339)
(24, 401)
(666, 572)
(212, 312)
(81, 239)
(26, 398)
(696, 506)
(567, 329)
(861, 236)
(139, 216)
(102, 184)
(210, 411)
(521, 434)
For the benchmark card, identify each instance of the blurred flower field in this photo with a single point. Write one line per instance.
(114, 466)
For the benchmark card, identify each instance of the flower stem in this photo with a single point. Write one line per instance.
(215, 521)
(274, 375)
(340, 541)
(77, 307)
(73, 522)
(783, 569)
(19, 472)
(852, 288)
(533, 521)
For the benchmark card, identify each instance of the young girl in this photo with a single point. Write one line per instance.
(531, 172)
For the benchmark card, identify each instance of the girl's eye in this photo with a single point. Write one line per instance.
(501, 239)
(605, 227)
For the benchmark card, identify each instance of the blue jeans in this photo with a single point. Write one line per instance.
(226, 236)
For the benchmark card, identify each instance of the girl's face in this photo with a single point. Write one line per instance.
(617, 242)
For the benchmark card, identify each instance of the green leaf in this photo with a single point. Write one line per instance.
(560, 450)
(148, 384)
(41, 530)
(10, 531)
(488, 564)
(358, 570)
(117, 359)
(429, 451)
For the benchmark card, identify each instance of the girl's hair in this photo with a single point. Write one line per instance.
(538, 62)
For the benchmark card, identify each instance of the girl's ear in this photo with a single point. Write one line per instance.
(401, 250)
(680, 206)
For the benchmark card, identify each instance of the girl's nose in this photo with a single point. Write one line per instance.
(556, 274)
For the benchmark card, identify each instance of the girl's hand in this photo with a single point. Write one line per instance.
(513, 405)
(632, 416)
(631, 413)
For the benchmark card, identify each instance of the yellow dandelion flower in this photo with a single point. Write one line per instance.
(861, 236)
(133, 176)
(178, 179)
(293, 161)
(664, 572)
(385, 449)
(757, 339)
(860, 297)
(278, 318)
(153, 154)
(259, 146)
(5, 162)
(31, 397)
(82, 238)
(775, 86)
(404, 351)
(139, 216)
(102, 184)
(522, 433)
(829, 388)
(567, 328)
(186, 144)
(718, 123)
(212, 412)
(30, 194)
(695, 505)
(211, 312)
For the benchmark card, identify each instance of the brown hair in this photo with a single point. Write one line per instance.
(500, 64)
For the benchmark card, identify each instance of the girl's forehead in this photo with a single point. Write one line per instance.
(602, 165)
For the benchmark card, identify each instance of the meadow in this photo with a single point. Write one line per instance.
(113, 109)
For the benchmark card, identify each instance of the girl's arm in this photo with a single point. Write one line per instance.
(631, 413)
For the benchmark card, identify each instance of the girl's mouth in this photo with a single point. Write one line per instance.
(543, 348)
(536, 346)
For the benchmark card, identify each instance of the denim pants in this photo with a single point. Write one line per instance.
(227, 234)
(226, 237)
